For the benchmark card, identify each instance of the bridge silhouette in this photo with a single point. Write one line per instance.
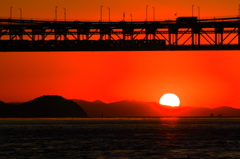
(184, 33)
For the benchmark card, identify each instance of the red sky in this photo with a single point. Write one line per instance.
(199, 78)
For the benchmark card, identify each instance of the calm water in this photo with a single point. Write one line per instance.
(120, 138)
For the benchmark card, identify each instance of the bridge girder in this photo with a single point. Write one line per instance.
(211, 32)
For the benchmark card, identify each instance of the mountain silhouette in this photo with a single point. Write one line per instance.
(133, 108)
(2, 104)
(57, 106)
(226, 111)
(43, 107)
(120, 108)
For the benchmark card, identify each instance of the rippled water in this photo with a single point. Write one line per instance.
(120, 138)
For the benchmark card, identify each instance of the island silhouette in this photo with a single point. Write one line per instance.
(42, 107)
(50, 106)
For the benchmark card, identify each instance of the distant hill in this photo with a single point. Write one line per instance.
(121, 108)
(2, 103)
(226, 111)
(133, 108)
(42, 107)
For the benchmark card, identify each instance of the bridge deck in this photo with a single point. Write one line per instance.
(181, 34)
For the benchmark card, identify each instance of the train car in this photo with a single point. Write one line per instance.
(187, 19)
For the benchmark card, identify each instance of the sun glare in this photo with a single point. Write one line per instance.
(170, 99)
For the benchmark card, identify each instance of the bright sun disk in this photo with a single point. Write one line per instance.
(170, 99)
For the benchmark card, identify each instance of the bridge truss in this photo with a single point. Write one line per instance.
(35, 35)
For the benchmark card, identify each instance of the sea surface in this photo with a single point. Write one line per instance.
(120, 138)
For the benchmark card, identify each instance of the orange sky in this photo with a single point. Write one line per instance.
(199, 78)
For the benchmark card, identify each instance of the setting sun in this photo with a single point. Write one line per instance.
(170, 99)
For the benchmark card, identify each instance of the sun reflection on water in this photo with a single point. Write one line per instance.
(170, 128)
(170, 122)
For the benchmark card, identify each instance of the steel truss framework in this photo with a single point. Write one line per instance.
(204, 34)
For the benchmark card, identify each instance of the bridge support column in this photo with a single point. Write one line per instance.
(218, 35)
(197, 32)
(172, 31)
(193, 38)
(221, 38)
(10, 35)
(176, 39)
(55, 37)
(33, 36)
(152, 32)
(169, 38)
(128, 33)
(154, 36)
(124, 37)
(239, 37)
(14, 33)
(216, 38)
(83, 32)
(199, 37)
(146, 37)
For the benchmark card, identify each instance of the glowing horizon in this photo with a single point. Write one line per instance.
(199, 78)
